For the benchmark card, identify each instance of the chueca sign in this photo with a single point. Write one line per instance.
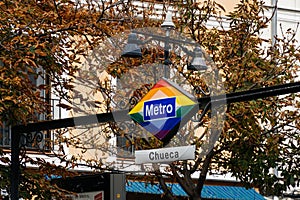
(165, 155)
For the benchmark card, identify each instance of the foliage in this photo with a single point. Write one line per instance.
(43, 42)
(259, 136)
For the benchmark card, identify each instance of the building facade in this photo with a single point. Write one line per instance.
(286, 16)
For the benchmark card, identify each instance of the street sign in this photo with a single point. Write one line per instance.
(165, 155)
(99, 195)
(164, 109)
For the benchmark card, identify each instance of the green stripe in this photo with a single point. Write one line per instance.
(183, 110)
(137, 117)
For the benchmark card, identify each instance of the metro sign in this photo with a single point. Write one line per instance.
(164, 109)
(160, 108)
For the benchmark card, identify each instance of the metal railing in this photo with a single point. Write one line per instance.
(32, 140)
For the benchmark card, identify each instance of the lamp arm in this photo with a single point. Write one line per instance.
(199, 90)
(146, 41)
(188, 52)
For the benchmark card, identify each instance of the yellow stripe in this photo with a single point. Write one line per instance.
(181, 99)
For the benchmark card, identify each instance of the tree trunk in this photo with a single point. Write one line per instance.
(165, 188)
(202, 176)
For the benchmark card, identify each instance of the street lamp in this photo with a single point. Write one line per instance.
(168, 23)
(198, 62)
(133, 50)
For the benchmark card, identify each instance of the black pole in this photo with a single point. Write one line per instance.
(260, 93)
(15, 165)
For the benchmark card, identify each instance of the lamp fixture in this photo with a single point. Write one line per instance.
(168, 23)
(132, 49)
(198, 63)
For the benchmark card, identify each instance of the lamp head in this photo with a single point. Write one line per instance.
(132, 49)
(198, 62)
(168, 23)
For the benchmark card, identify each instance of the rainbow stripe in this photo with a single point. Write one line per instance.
(164, 109)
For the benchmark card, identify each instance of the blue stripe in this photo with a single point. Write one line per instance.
(220, 192)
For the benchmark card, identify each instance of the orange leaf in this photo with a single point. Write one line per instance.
(40, 52)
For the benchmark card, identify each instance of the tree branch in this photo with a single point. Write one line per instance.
(203, 173)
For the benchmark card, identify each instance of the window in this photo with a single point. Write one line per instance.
(5, 133)
(125, 147)
(33, 140)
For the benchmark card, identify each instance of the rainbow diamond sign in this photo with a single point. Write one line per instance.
(164, 110)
